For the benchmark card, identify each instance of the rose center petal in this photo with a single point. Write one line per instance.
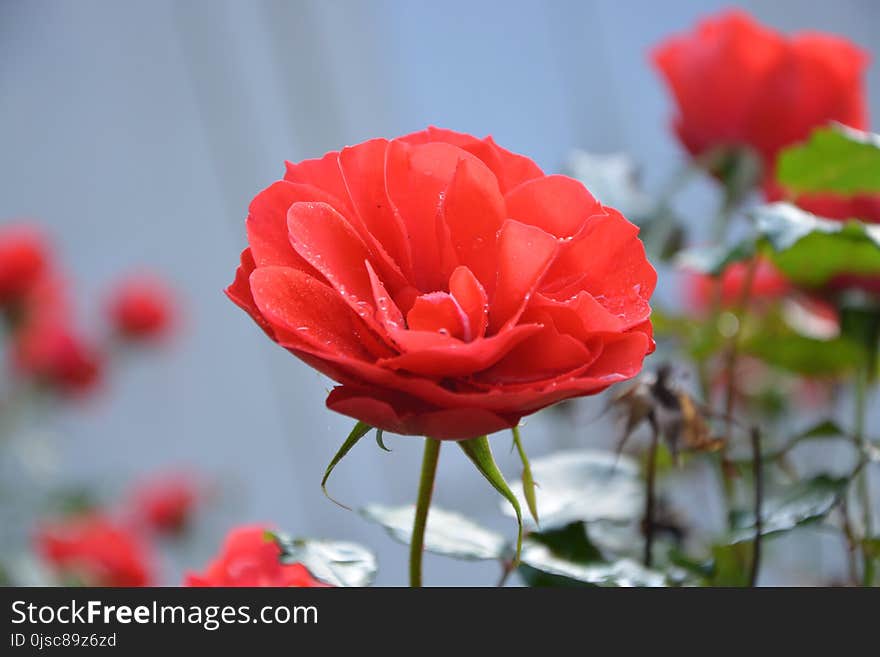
(440, 312)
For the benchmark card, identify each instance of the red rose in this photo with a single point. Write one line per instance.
(50, 352)
(250, 558)
(767, 284)
(23, 256)
(738, 83)
(448, 284)
(96, 551)
(141, 308)
(166, 503)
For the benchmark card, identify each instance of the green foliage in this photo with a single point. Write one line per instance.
(836, 159)
(480, 454)
(811, 250)
(336, 563)
(446, 533)
(803, 502)
(585, 485)
(566, 557)
(359, 431)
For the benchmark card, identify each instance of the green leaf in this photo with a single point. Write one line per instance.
(796, 353)
(336, 563)
(571, 542)
(480, 454)
(528, 482)
(836, 159)
(728, 566)
(811, 250)
(379, 434)
(446, 533)
(804, 502)
(872, 547)
(541, 567)
(360, 430)
(714, 260)
(585, 485)
(822, 429)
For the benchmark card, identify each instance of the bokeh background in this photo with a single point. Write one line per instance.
(137, 133)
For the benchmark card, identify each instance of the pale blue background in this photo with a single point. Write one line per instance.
(137, 132)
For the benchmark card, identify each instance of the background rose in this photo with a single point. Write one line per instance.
(738, 83)
(23, 255)
(96, 551)
(250, 558)
(448, 284)
(767, 284)
(141, 308)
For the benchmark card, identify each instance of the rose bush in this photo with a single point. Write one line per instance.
(737, 83)
(446, 283)
(250, 558)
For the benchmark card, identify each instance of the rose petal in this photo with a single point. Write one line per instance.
(557, 204)
(267, 223)
(363, 171)
(325, 240)
(417, 178)
(239, 292)
(607, 260)
(471, 298)
(400, 413)
(525, 253)
(451, 357)
(323, 173)
(509, 168)
(439, 312)
(473, 211)
(544, 355)
(304, 312)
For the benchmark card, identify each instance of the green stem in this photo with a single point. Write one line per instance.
(423, 504)
(864, 481)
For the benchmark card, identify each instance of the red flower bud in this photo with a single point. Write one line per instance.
(141, 308)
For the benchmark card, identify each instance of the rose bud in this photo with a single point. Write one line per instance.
(739, 84)
(141, 308)
(23, 257)
(250, 558)
(166, 503)
(95, 551)
(448, 285)
(52, 354)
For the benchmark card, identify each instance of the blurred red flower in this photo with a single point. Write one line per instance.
(249, 558)
(737, 83)
(768, 283)
(166, 503)
(141, 307)
(23, 258)
(53, 354)
(96, 551)
(448, 284)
